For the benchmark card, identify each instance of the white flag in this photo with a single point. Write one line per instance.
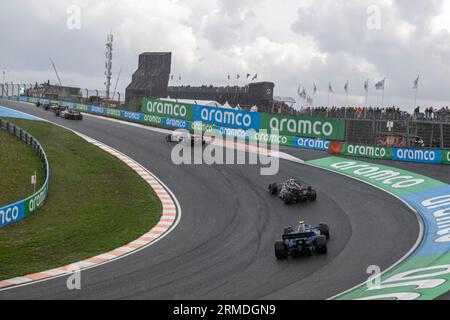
(416, 83)
(33, 179)
(303, 94)
(380, 84)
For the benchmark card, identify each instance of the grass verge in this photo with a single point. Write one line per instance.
(18, 162)
(96, 203)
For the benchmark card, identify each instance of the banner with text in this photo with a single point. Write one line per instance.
(329, 129)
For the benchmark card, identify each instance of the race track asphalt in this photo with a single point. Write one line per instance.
(223, 246)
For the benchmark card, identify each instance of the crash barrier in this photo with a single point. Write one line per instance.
(24, 208)
(300, 132)
(425, 274)
(433, 156)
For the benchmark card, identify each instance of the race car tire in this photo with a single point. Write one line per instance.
(280, 250)
(324, 230)
(321, 245)
(273, 188)
(287, 198)
(302, 199)
(313, 196)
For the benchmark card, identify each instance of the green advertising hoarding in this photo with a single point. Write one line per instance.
(114, 113)
(264, 137)
(167, 109)
(329, 129)
(446, 156)
(364, 151)
(82, 107)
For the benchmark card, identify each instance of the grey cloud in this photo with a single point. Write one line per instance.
(339, 28)
(226, 36)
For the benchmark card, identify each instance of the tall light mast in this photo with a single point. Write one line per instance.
(108, 64)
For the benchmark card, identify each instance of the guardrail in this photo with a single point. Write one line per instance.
(22, 209)
(256, 126)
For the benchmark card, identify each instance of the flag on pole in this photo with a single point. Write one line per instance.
(301, 93)
(255, 77)
(238, 76)
(380, 84)
(304, 94)
(330, 88)
(416, 83)
(34, 179)
(366, 85)
(229, 78)
(248, 75)
(346, 86)
(314, 89)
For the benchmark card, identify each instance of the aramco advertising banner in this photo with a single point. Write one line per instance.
(446, 156)
(328, 129)
(417, 155)
(230, 118)
(374, 152)
(306, 127)
(168, 109)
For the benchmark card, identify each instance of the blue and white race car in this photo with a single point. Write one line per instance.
(303, 240)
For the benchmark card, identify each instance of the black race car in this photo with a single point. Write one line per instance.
(292, 191)
(45, 106)
(303, 240)
(57, 109)
(70, 114)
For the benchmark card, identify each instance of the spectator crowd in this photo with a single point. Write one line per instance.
(391, 113)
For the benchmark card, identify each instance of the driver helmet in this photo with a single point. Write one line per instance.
(301, 225)
(291, 183)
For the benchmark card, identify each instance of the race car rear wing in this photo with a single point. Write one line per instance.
(298, 235)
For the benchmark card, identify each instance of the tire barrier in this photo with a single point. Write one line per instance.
(24, 208)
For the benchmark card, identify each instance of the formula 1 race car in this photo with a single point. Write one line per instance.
(185, 138)
(303, 241)
(45, 106)
(70, 114)
(292, 191)
(56, 109)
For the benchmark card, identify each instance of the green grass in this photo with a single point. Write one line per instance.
(96, 203)
(18, 162)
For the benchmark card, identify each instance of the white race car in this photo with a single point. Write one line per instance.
(186, 138)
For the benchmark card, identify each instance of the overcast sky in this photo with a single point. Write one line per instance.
(289, 42)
